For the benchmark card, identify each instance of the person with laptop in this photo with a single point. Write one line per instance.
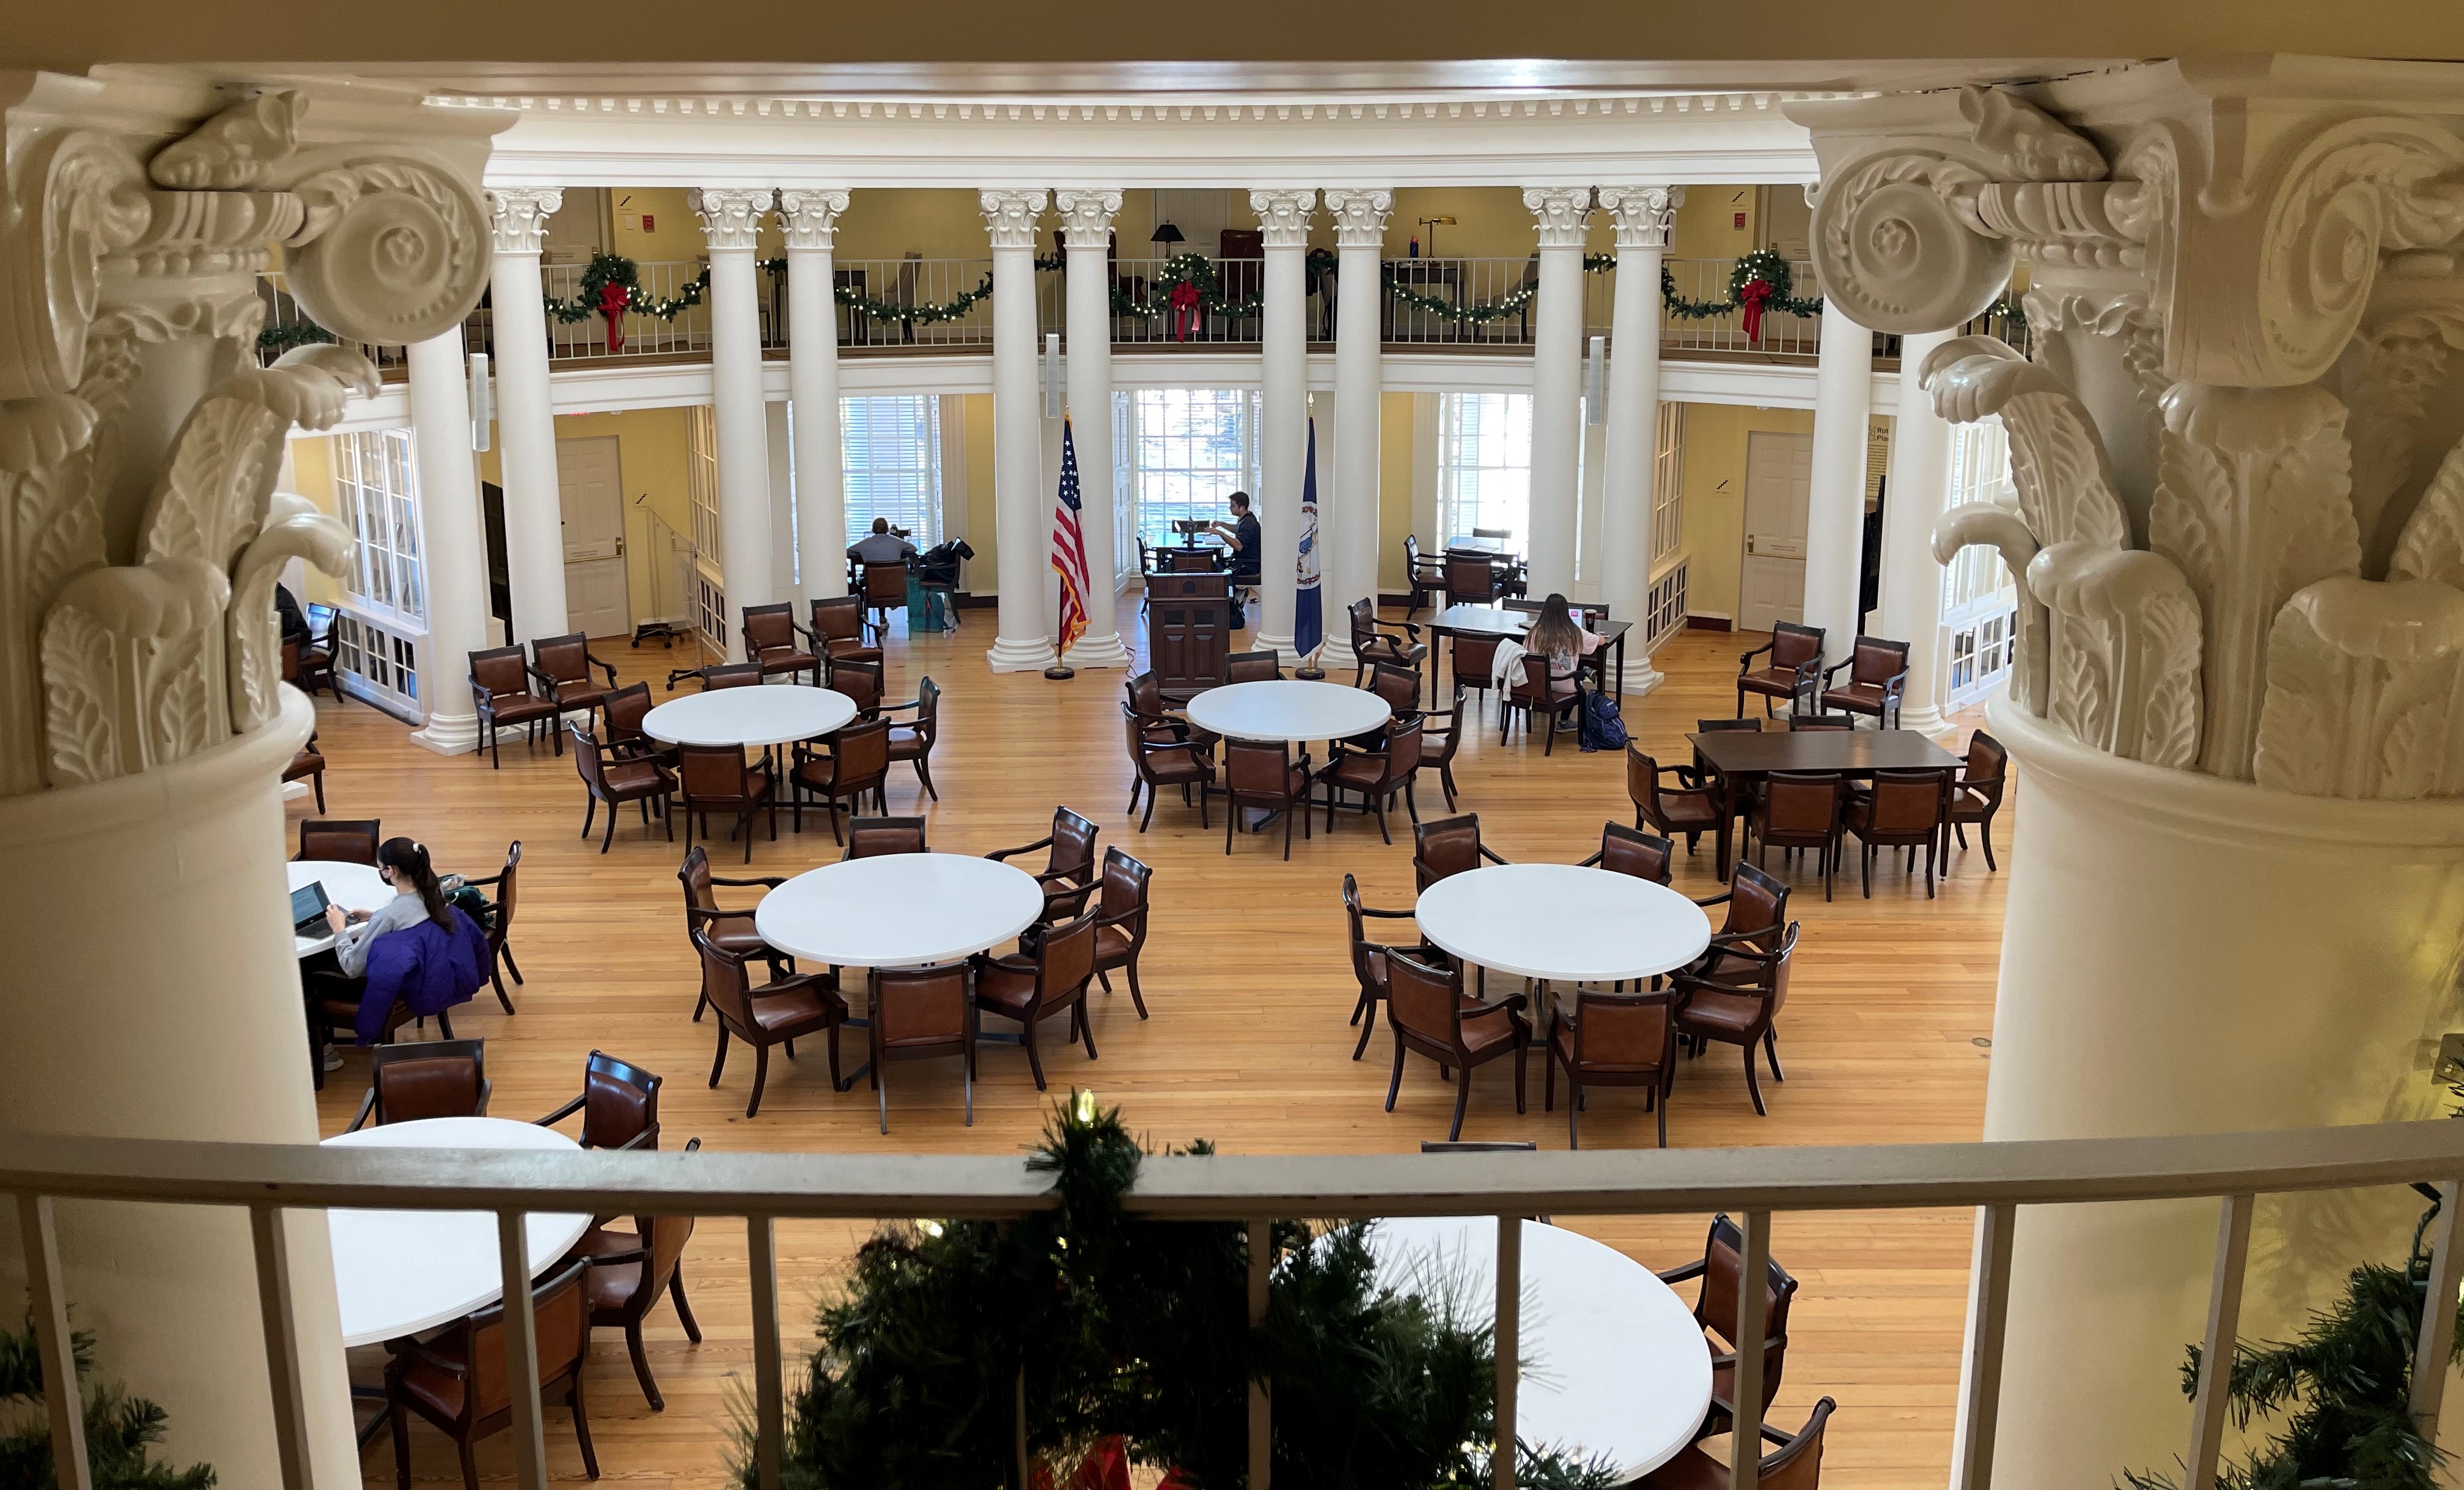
(882, 545)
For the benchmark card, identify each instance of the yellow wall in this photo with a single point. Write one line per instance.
(1715, 495)
(312, 475)
(651, 451)
(984, 569)
(892, 224)
(674, 236)
(1705, 225)
(1394, 490)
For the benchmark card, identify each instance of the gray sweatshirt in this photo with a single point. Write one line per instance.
(399, 914)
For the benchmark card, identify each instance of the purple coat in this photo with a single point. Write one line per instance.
(429, 968)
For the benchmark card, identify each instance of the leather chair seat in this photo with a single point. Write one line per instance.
(580, 695)
(1487, 1031)
(1708, 1008)
(845, 649)
(307, 763)
(1779, 682)
(631, 776)
(601, 1241)
(1968, 805)
(1855, 699)
(613, 1284)
(1359, 773)
(906, 743)
(820, 772)
(1689, 811)
(1112, 944)
(438, 1391)
(1177, 767)
(1297, 781)
(736, 936)
(515, 709)
(1006, 984)
(782, 659)
(1387, 650)
(792, 1010)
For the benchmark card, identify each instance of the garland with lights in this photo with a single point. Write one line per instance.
(1186, 288)
(297, 333)
(1760, 283)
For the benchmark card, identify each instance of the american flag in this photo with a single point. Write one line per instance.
(1069, 547)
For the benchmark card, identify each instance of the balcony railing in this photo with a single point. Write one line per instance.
(887, 291)
(1706, 281)
(1759, 1183)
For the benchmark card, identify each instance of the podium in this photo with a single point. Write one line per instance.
(1189, 632)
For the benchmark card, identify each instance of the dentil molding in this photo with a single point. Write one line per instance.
(517, 217)
(810, 215)
(1562, 213)
(1645, 215)
(731, 216)
(1087, 217)
(1359, 217)
(1010, 217)
(1283, 216)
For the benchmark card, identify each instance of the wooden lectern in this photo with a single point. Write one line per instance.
(1189, 632)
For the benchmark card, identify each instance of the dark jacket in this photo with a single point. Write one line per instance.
(429, 968)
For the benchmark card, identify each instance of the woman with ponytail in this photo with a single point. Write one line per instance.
(419, 948)
(417, 897)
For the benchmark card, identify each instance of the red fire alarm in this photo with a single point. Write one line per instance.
(1739, 224)
(650, 224)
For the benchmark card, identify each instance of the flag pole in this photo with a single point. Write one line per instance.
(1059, 671)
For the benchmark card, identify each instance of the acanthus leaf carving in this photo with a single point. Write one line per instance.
(235, 147)
(2003, 530)
(2127, 634)
(2058, 463)
(132, 668)
(2365, 692)
(293, 529)
(2432, 546)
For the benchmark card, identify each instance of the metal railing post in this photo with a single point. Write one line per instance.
(1508, 1339)
(282, 1344)
(2435, 1341)
(1753, 1285)
(49, 1304)
(2216, 1348)
(522, 1350)
(1261, 1433)
(769, 1372)
(1993, 1312)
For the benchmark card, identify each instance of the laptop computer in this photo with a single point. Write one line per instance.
(308, 906)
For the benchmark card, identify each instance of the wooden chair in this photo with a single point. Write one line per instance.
(1801, 810)
(770, 637)
(919, 1013)
(1721, 1269)
(1369, 959)
(616, 777)
(427, 1079)
(1377, 775)
(499, 920)
(620, 716)
(1440, 739)
(1068, 874)
(912, 743)
(1688, 808)
(1264, 775)
(778, 1013)
(858, 761)
(838, 628)
(874, 837)
(1377, 646)
(1739, 1003)
(885, 589)
(1121, 931)
(628, 1272)
(1162, 754)
(859, 681)
(1432, 1016)
(1474, 660)
(1611, 1040)
(1878, 675)
(619, 1102)
(501, 687)
(1796, 665)
(1252, 667)
(457, 1378)
(1426, 575)
(1032, 989)
(1471, 579)
(333, 1005)
(731, 675)
(1542, 691)
(1797, 1465)
(310, 667)
(732, 931)
(1975, 797)
(1904, 809)
(341, 841)
(1629, 851)
(1449, 846)
(1398, 686)
(310, 761)
(1758, 909)
(562, 667)
(718, 779)
(1803, 724)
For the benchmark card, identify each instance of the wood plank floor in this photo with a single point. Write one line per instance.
(1249, 983)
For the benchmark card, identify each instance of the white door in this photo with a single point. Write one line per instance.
(1779, 475)
(593, 493)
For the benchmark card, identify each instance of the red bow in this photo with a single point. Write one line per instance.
(614, 299)
(1106, 1467)
(1184, 310)
(1753, 296)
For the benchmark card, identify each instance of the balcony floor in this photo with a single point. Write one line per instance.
(1248, 979)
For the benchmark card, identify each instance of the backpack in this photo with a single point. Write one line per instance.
(1603, 725)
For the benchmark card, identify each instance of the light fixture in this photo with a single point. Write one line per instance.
(1167, 234)
(1433, 224)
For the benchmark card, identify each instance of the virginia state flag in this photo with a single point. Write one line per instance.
(1309, 620)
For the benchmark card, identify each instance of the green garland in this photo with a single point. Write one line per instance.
(297, 333)
(949, 309)
(1761, 264)
(1136, 1329)
(606, 269)
(1196, 270)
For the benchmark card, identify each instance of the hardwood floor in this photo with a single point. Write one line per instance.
(1248, 980)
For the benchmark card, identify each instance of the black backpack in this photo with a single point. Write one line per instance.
(1603, 723)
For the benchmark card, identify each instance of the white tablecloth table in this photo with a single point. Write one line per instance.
(899, 910)
(770, 715)
(350, 886)
(401, 1271)
(1614, 1365)
(1562, 922)
(1287, 710)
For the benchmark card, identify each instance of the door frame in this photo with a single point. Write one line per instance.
(624, 544)
(1744, 510)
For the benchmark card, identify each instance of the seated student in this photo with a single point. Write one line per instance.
(417, 948)
(1247, 546)
(882, 547)
(295, 621)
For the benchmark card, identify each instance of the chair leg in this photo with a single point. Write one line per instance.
(1521, 1065)
(1549, 1080)
(721, 1064)
(684, 1310)
(497, 978)
(1446, 779)
(1754, 1083)
(1394, 1083)
(1771, 1053)
(1663, 1105)
(1869, 856)
(1463, 1098)
(1365, 1017)
(1034, 1060)
(924, 774)
(1085, 1027)
(1231, 816)
(575, 1399)
(1985, 836)
(319, 780)
(1137, 789)
(642, 1367)
(589, 813)
(1136, 997)
(609, 836)
(469, 1465)
(1574, 1110)
(760, 1073)
(399, 1422)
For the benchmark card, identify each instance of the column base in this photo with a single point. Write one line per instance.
(1927, 721)
(1279, 646)
(448, 734)
(1337, 657)
(1640, 677)
(1105, 650)
(1020, 654)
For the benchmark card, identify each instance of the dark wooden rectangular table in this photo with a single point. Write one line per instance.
(1496, 621)
(1743, 756)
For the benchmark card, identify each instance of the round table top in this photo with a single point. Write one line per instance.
(400, 1272)
(1614, 1365)
(899, 910)
(1289, 710)
(1562, 922)
(770, 715)
(348, 885)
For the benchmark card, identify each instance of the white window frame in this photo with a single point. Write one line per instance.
(376, 492)
(1979, 599)
(1493, 487)
(1668, 486)
(890, 448)
(1176, 474)
(701, 491)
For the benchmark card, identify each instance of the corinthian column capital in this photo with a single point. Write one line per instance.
(731, 216)
(1359, 216)
(1087, 217)
(1284, 216)
(1010, 216)
(1644, 213)
(810, 215)
(1561, 212)
(517, 216)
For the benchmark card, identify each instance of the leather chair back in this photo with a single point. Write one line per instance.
(1421, 999)
(1875, 662)
(1641, 778)
(928, 711)
(1451, 738)
(432, 1079)
(1124, 891)
(1802, 802)
(1793, 645)
(1716, 1310)
(1402, 750)
(862, 751)
(508, 894)
(1073, 845)
(768, 628)
(1449, 846)
(1252, 667)
(559, 1314)
(1398, 686)
(1908, 800)
(1145, 694)
(731, 675)
(1065, 957)
(1252, 766)
(920, 1006)
(724, 983)
(499, 671)
(620, 1102)
(885, 584)
(872, 837)
(1986, 760)
(711, 774)
(694, 876)
(1474, 659)
(1362, 969)
(1364, 622)
(1629, 851)
(564, 659)
(1471, 579)
(586, 762)
(339, 839)
(840, 618)
(1623, 1031)
(1532, 687)
(1797, 1465)
(624, 709)
(1757, 905)
(859, 681)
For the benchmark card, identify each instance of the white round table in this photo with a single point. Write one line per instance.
(401, 1271)
(764, 716)
(1289, 710)
(899, 910)
(1614, 1365)
(354, 887)
(1562, 922)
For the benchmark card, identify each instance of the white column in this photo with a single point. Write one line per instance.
(810, 215)
(1834, 527)
(1024, 639)
(1631, 460)
(1556, 383)
(1348, 522)
(453, 548)
(731, 219)
(1086, 223)
(525, 416)
(1282, 444)
(1911, 595)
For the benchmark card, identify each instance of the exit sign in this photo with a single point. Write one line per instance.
(1739, 223)
(650, 224)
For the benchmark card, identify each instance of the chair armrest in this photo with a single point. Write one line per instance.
(1743, 657)
(635, 1142)
(1895, 685)
(561, 1113)
(812, 638)
(486, 1087)
(765, 881)
(893, 709)
(1510, 1004)
(999, 855)
(368, 1106)
(1834, 668)
(539, 676)
(1684, 1271)
(413, 1350)
(589, 662)
(633, 749)
(1491, 854)
(1589, 862)
(1386, 629)
(494, 878)
(1721, 899)
(1386, 915)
